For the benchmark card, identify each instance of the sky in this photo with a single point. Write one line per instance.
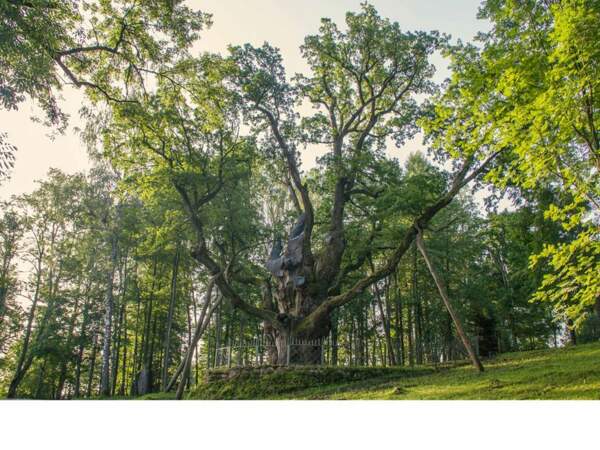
(282, 23)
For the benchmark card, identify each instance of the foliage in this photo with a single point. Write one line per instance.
(7, 156)
(108, 47)
(530, 91)
(112, 49)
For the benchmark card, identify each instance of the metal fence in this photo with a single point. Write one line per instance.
(260, 352)
(251, 353)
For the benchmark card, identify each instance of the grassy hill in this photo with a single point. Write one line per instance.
(567, 373)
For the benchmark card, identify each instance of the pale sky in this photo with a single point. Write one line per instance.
(282, 23)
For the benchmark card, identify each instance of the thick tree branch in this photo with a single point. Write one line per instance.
(297, 181)
(78, 83)
(460, 180)
(202, 255)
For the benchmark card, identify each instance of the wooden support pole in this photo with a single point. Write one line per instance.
(444, 294)
(202, 324)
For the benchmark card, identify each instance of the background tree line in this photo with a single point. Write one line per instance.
(77, 247)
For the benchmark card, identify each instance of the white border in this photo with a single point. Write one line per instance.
(305, 425)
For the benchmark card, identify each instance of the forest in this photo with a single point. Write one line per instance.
(200, 241)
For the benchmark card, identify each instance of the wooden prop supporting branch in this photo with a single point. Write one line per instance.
(202, 324)
(444, 294)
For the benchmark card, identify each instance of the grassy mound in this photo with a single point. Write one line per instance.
(567, 373)
(287, 382)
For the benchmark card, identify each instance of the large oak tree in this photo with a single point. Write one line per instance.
(364, 84)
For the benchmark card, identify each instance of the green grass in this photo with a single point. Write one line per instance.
(567, 373)
(287, 382)
(158, 396)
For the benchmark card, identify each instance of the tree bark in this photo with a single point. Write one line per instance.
(108, 313)
(309, 287)
(125, 343)
(84, 324)
(202, 324)
(572, 332)
(92, 366)
(386, 326)
(120, 331)
(334, 341)
(65, 361)
(399, 325)
(19, 372)
(167, 347)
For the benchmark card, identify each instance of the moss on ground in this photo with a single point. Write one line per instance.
(287, 382)
(158, 396)
(567, 373)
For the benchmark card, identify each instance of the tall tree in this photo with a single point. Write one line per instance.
(363, 85)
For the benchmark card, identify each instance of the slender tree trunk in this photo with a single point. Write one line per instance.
(120, 331)
(150, 360)
(364, 328)
(108, 313)
(167, 347)
(409, 318)
(143, 375)
(382, 351)
(375, 334)
(82, 334)
(65, 361)
(92, 366)
(40, 380)
(195, 347)
(192, 311)
(418, 344)
(392, 356)
(386, 326)
(218, 335)
(334, 341)
(572, 332)
(116, 351)
(442, 290)
(362, 338)
(125, 344)
(19, 373)
(351, 344)
(135, 357)
(399, 324)
(40, 336)
(77, 390)
(419, 330)
(9, 252)
(201, 325)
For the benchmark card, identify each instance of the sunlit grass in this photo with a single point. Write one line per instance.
(568, 373)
